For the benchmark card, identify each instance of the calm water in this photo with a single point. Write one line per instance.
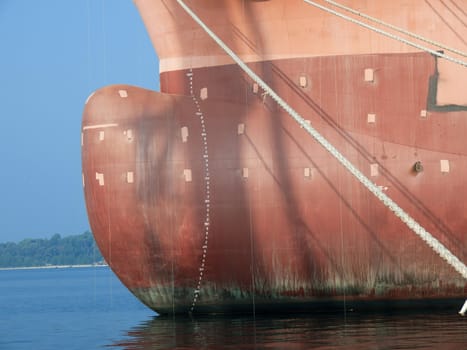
(88, 308)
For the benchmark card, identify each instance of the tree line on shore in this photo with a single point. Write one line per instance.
(70, 250)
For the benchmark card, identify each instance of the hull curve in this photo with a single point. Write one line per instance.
(208, 197)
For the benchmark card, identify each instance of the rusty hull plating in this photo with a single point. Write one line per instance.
(207, 197)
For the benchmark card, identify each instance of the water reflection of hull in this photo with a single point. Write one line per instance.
(392, 330)
(208, 194)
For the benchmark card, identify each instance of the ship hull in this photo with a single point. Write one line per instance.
(207, 197)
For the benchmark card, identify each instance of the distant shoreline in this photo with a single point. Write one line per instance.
(52, 267)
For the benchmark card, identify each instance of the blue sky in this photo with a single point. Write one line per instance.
(54, 53)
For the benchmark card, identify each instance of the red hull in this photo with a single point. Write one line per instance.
(209, 197)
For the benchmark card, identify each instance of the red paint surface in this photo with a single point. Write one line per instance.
(277, 235)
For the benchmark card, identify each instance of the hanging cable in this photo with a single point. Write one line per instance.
(389, 35)
(431, 241)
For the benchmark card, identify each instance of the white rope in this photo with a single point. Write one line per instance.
(398, 29)
(437, 246)
(389, 35)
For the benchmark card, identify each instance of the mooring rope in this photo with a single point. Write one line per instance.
(431, 241)
(398, 29)
(389, 35)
